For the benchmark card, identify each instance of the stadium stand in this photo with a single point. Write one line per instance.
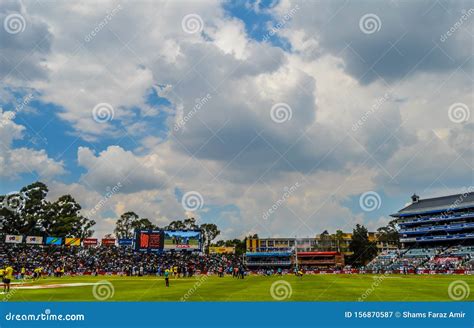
(435, 222)
(111, 260)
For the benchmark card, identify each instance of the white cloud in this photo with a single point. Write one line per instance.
(115, 165)
(230, 150)
(20, 160)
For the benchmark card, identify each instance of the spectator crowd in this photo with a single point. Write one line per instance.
(53, 260)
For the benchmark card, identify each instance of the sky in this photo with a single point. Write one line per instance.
(282, 118)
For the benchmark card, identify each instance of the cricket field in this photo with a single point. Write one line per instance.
(330, 287)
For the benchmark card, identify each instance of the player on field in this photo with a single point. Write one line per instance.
(167, 278)
(241, 272)
(7, 278)
(37, 272)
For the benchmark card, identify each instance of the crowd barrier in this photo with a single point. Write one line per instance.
(311, 272)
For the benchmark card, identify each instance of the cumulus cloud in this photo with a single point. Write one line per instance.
(116, 165)
(360, 111)
(400, 39)
(15, 161)
(26, 41)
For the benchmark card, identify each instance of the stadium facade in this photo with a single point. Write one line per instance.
(323, 251)
(437, 222)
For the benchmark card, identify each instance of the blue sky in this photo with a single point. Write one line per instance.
(239, 102)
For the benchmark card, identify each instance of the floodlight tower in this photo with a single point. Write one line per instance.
(296, 254)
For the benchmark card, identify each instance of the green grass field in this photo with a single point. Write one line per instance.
(254, 288)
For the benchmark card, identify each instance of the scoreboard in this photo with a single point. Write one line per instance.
(148, 240)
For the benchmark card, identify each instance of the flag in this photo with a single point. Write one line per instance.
(54, 240)
(73, 242)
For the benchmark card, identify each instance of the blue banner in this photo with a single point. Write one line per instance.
(242, 314)
(54, 241)
(125, 242)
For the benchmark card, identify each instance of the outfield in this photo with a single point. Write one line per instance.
(254, 288)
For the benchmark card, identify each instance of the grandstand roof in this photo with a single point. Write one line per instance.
(438, 204)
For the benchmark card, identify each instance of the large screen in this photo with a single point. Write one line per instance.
(178, 240)
(149, 240)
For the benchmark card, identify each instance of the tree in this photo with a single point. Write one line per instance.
(187, 224)
(190, 224)
(219, 243)
(389, 234)
(125, 225)
(325, 240)
(143, 224)
(238, 244)
(64, 219)
(209, 233)
(22, 211)
(11, 219)
(28, 212)
(175, 225)
(339, 238)
(363, 249)
(37, 209)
